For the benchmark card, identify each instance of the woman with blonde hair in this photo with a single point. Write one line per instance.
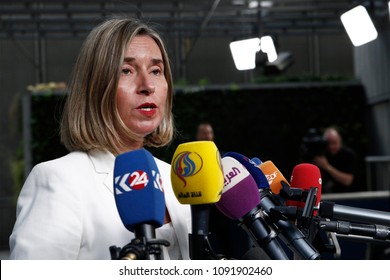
(120, 99)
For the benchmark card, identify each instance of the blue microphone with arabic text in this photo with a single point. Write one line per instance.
(252, 166)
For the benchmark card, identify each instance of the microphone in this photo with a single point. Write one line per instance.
(256, 160)
(252, 167)
(139, 197)
(273, 175)
(239, 201)
(331, 210)
(288, 231)
(305, 194)
(305, 176)
(197, 180)
(281, 188)
(342, 227)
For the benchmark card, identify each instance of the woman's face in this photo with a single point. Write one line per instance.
(142, 89)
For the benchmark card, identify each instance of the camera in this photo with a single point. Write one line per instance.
(313, 144)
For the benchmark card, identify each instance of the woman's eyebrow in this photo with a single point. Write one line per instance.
(154, 60)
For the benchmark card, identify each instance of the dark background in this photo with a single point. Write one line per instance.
(264, 121)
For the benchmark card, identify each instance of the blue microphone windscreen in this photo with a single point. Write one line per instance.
(138, 189)
(257, 160)
(252, 167)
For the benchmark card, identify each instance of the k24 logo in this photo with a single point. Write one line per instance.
(137, 180)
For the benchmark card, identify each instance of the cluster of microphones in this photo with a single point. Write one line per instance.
(286, 220)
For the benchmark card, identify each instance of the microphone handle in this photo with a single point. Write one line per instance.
(289, 232)
(342, 227)
(334, 211)
(296, 240)
(262, 235)
(198, 239)
(200, 218)
(147, 232)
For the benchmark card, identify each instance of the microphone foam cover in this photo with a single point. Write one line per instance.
(252, 167)
(240, 193)
(273, 175)
(138, 189)
(256, 160)
(196, 173)
(304, 176)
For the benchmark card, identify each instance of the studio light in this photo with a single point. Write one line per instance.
(359, 26)
(244, 51)
(280, 65)
(388, 7)
(266, 4)
(253, 4)
(267, 46)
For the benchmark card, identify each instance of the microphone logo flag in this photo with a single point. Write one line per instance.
(187, 164)
(234, 173)
(157, 181)
(137, 180)
(196, 173)
(271, 177)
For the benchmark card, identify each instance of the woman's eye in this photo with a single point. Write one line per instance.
(156, 72)
(126, 71)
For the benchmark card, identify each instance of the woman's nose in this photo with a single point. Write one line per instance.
(146, 83)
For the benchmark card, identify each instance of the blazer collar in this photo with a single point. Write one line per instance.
(103, 162)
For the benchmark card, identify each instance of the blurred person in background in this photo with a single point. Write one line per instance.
(227, 237)
(337, 164)
(205, 132)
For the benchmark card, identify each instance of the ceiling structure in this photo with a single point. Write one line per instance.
(61, 19)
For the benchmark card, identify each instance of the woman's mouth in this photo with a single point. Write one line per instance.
(147, 109)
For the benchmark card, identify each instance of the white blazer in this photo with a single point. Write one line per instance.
(67, 210)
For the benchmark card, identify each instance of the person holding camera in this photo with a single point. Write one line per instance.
(337, 164)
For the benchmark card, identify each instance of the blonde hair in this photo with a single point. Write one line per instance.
(90, 118)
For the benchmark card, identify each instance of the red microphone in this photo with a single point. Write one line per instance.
(304, 176)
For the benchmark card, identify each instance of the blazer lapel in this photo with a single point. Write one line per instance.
(181, 221)
(103, 163)
(180, 214)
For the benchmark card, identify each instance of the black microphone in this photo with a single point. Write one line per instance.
(331, 210)
(289, 232)
(343, 227)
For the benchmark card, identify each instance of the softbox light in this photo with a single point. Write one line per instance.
(244, 53)
(359, 26)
